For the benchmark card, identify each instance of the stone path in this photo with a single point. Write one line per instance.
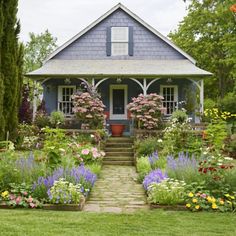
(117, 191)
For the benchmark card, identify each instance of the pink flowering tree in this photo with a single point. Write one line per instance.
(147, 110)
(89, 109)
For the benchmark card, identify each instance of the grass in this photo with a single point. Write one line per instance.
(155, 222)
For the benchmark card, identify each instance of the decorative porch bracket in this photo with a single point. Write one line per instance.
(145, 86)
(200, 86)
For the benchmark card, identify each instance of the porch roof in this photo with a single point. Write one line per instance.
(118, 68)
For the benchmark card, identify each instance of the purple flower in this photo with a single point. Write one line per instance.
(153, 158)
(182, 162)
(155, 176)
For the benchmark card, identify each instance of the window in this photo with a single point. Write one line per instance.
(170, 101)
(65, 103)
(119, 41)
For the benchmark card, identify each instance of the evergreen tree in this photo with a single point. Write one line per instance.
(2, 123)
(11, 63)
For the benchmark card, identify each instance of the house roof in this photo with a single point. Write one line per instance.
(122, 68)
(138, 19)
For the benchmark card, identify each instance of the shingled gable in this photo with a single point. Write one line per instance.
(131, 14)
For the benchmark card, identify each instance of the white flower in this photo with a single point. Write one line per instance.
(159, 140)
(228, 158)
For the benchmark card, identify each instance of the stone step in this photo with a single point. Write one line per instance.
(120, 163)
(119, 154)
(118, 158)
(120, 139)
(117, 145)
(119, 149)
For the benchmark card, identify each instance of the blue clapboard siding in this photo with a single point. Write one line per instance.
(93, 44)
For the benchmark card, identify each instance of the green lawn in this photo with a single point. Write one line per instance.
(156, 222)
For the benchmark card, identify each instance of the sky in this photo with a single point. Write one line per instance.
(66, 18)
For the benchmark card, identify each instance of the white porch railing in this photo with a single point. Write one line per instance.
(66, 108)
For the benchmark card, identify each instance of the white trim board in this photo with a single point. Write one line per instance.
(137, 18)
(121, 116)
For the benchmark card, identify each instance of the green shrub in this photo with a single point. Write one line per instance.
(180, 116)
(228, 103)
(209, 103)
(167, 192)
(57, 118)
(95, 168)
(147, 146)
(143, 167)
(41, 120)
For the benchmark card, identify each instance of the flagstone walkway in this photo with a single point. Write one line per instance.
(117, 190)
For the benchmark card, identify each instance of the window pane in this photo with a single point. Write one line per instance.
(118, 101)
(119, 34)
(119, 49)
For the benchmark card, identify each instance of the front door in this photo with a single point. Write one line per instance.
(118, 102)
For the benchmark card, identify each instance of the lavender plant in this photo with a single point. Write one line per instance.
(155, 176)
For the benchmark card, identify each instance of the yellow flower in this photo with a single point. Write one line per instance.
(227, 195)
(194, 200)
(4, 194)
(232, 197)
(209, 199)
(214, 206)
(188, 205)
(190, 194)
(222, 202)
(197, 207)
(213, 200)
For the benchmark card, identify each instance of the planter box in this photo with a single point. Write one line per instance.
(169, 207)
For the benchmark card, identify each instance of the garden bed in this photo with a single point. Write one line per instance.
(55, 207)
(168, 207)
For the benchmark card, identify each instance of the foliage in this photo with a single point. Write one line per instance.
(37, 50)
(146, 110)
(183, 168)
(167, 192)
(231, 146)
(203, 201)
(208, 34)
(146, 147)
(19, 196)
(179, 137)
(7, 145)
(155, 176)
(63, 192)
(179, 116)
(89, 110)
(228, 103)
(57, 118)
(209, 104)
(11, 54)
(86, 153)
(25, 111)
(94, 168)
(143, 167)
(157, 161)
(75, 175)
(41, 120)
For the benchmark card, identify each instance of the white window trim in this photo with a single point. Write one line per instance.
(115, 116)
(125, 41)
(59, 95)
(176, 96)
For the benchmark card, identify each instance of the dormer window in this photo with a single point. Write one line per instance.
(119, 41)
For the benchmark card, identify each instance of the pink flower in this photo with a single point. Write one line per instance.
(30, 199)
(12, 197)
(32, 205)
(85, 151)
(25, 193)
(18, 199)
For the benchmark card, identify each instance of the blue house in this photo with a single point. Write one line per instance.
(122, 56)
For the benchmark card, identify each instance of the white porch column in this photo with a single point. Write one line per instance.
(144, 86)
(35, 100)
(93, 82)
(202, 96)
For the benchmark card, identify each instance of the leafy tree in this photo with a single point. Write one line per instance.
(11, 62)
(208, 33)
(37, 50)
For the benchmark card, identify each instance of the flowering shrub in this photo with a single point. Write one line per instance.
(146, 110)
(64, 192)
(156, 161)
(89, 109)
(204, 201)
(86, 153)
(183, 168)
(19, 196)
(155, 176)
(169, 192)
(75, 175)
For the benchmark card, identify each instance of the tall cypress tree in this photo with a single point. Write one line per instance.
(2, 123)
(11, 64)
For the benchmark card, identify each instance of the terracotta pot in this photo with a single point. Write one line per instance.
(117, 129)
